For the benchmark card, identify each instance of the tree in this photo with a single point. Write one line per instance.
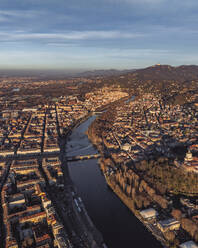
(189, 226)
(196, 236)
(169, 235)
(177, 214)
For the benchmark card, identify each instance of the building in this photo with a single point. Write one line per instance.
(168, 225)
(60, 242)
(189, 156)
(149, 213)
(188, 244)
(126, 147)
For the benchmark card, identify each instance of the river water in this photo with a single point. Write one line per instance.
(119, 227)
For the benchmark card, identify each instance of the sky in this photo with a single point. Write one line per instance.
(97, 34)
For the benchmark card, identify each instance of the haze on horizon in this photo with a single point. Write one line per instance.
(92, 34)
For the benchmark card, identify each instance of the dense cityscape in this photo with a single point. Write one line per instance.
(40, 206)
(148, 155)
(98, 124)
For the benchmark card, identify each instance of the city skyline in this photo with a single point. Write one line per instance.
(94, 34)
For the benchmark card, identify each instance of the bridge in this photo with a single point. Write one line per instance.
(83, 157)
(32, 155)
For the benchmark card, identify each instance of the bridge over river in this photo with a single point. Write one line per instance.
(48, 154)
(83, 157)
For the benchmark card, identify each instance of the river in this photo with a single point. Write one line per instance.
(119, 227)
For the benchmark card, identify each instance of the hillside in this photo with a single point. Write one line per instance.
(173, 83)
(167, 72)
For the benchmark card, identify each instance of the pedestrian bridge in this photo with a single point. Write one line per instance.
(83, 157)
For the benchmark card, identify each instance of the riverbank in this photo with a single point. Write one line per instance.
(112, 218)
(68, 132)
(115, 187)
(128, 203)
(84, 232)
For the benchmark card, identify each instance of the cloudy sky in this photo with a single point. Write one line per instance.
(97, 34)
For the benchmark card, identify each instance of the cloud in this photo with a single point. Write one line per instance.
(105, 31)
(20, 13)
(3, 19)
(74, 35)
(56, 44)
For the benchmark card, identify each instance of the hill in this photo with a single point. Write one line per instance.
(167, 72)
(103, 73)
(172, 83)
